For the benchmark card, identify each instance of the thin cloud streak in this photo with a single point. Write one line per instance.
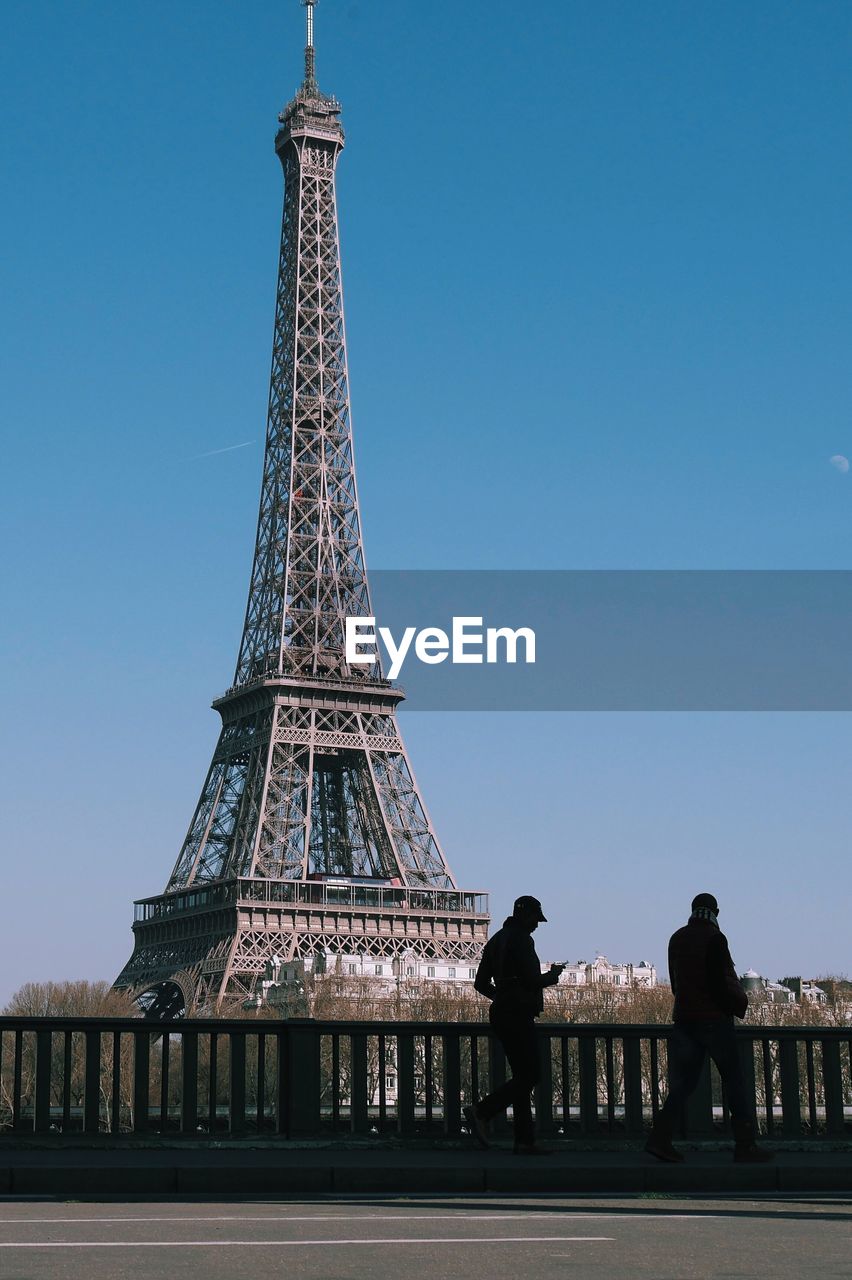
(212, 452)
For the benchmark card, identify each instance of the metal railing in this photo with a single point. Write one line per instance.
(242, 1079)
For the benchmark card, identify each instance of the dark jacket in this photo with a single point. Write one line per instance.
(510, 973)
(704, 981)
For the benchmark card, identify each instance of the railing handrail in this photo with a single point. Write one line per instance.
(390, 1026)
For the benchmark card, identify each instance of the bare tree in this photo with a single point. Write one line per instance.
(76, 999)
(80, 999)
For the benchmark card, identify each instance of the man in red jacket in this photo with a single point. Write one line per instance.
(708, 995)
(510, 976)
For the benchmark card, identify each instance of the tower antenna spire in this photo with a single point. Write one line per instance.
(310, 54)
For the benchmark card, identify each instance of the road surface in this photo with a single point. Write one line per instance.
(469, 1237)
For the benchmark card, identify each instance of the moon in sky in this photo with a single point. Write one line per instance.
(838, 461)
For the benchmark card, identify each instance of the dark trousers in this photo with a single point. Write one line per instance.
(520, 1044)
(688, 1047)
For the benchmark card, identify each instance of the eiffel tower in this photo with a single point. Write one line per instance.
(310, 838)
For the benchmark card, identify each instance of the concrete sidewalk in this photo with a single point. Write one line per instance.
(289, 1169)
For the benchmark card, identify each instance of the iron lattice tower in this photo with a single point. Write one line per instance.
(310, 836)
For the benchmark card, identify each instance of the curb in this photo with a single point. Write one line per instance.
(175, 1179)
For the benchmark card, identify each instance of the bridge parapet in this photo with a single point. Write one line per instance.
(120, 1079)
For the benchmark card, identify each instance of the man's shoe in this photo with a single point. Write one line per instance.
(751, 1153)
(662, 1148)
(746, 1150)
(531, 1149)
(659, 1142)
(476, 1125)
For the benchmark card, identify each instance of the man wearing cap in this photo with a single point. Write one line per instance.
(510, 976)
(707, 997)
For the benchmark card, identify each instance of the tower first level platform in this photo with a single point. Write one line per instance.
(218, 938)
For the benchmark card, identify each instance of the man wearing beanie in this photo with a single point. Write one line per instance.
(707, 997)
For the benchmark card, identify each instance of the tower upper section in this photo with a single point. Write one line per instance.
(311, 113)
(308, 574)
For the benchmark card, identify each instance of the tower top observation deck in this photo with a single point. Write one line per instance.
(311, 112)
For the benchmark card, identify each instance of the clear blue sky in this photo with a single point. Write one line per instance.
(597, 264)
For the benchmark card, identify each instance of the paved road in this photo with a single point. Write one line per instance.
(472, 1238)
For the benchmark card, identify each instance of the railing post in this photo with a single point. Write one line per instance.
(452, 1083)
(237, 1082)
(141, 1068)
(654, 1064)
(745, 1048)
(768, 1076)
(67, 1063)
(633, 1119)
(588, 1063)
(165, 1052)
(115, 1107)
(260, 1081)
(497, 1077)
(359, 1107)
(213, 1085)
(18, 1081)
(303, 1078)
(565, 1082)
(791, 1103)
(544, 1122)
(92, 1083)
(44, 1050)
(832, 1079)
(405, 1082)
(282, 1041)
(189, 1082)
(609, 1067)
(811, 1084)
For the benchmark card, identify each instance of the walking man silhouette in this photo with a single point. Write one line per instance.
(707, 997)
(510, 976)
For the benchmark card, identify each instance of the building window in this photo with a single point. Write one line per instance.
(409, 971)
(430, 971)
(451, 973)
(471, 973)
(353, 968)
(390, 1082)
(379, 970)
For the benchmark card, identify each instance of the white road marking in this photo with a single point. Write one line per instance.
(314, 1217)
(298, 1244)
(461, 1216)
